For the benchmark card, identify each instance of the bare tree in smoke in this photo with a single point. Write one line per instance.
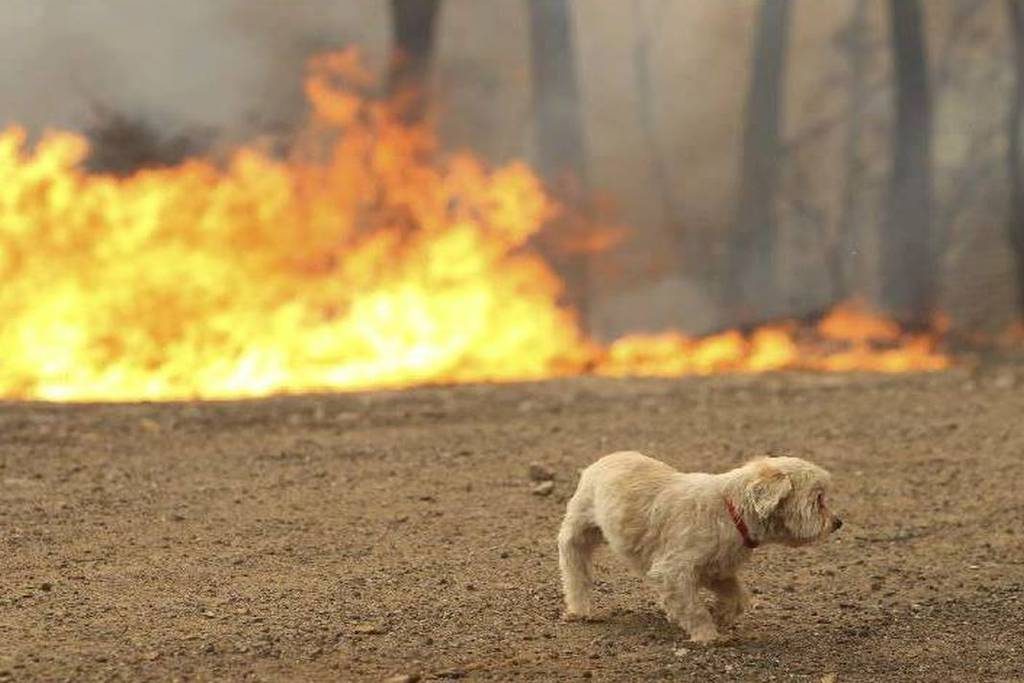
(909, 253)
(558, 124)
(413, 25)
(751, 279)
(1015, 9)
(855, 43)
(643, 40)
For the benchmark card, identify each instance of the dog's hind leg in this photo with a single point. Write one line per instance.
(577, 540)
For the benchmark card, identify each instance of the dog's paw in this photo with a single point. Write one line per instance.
(725, 616)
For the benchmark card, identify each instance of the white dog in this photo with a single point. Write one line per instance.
(689, 531)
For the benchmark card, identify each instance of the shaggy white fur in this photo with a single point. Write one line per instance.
(686, 531)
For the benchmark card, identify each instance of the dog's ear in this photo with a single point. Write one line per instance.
(766, 490)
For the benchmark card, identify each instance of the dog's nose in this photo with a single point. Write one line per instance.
(837, 524)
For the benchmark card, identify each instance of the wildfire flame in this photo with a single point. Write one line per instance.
(360, 262)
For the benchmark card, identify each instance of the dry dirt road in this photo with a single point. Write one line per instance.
(359, 537)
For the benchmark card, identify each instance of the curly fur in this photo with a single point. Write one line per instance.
(675, 529)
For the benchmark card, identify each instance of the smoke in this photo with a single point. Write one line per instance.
(231, 66)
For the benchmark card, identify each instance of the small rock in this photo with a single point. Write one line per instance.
(540, 472)
(828, 678)
(544, 488)
(451, 673)
(403, 678)
(368, 628)
(1005, 380)
(681, 651)
(46, 586)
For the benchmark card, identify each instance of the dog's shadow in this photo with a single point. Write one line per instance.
(646, 623)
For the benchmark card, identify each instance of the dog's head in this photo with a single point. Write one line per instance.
(789, 499)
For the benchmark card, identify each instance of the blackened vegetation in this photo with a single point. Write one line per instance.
(122, 144)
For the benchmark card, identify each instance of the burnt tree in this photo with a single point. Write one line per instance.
(909, 258)
(842, 263)
(413, 25)
(642, 43)
(559, 150)
(751, 287)
(1015, 226)
(556, 102)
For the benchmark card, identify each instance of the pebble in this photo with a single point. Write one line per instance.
(1005, 380)
(544, 488)
(368, 628)
(540, 472)
(403, 678)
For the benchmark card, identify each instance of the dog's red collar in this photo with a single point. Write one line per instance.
(741, 526)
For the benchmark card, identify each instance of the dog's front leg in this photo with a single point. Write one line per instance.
(731, 600)
(677, 590)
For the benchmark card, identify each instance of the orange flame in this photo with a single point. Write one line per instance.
(364, 263)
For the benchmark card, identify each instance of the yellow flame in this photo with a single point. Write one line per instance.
(359, 262)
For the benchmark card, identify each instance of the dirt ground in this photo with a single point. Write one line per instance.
(359, 537)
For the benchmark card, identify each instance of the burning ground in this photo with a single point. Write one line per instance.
(355, 537)
(365, 258)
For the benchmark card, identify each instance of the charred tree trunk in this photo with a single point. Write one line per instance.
(556, 102)
(642, 39)
(843, 257)
(412, 30)
(558, 126)
(1014, 150)
(751, 287)
(909, 252)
